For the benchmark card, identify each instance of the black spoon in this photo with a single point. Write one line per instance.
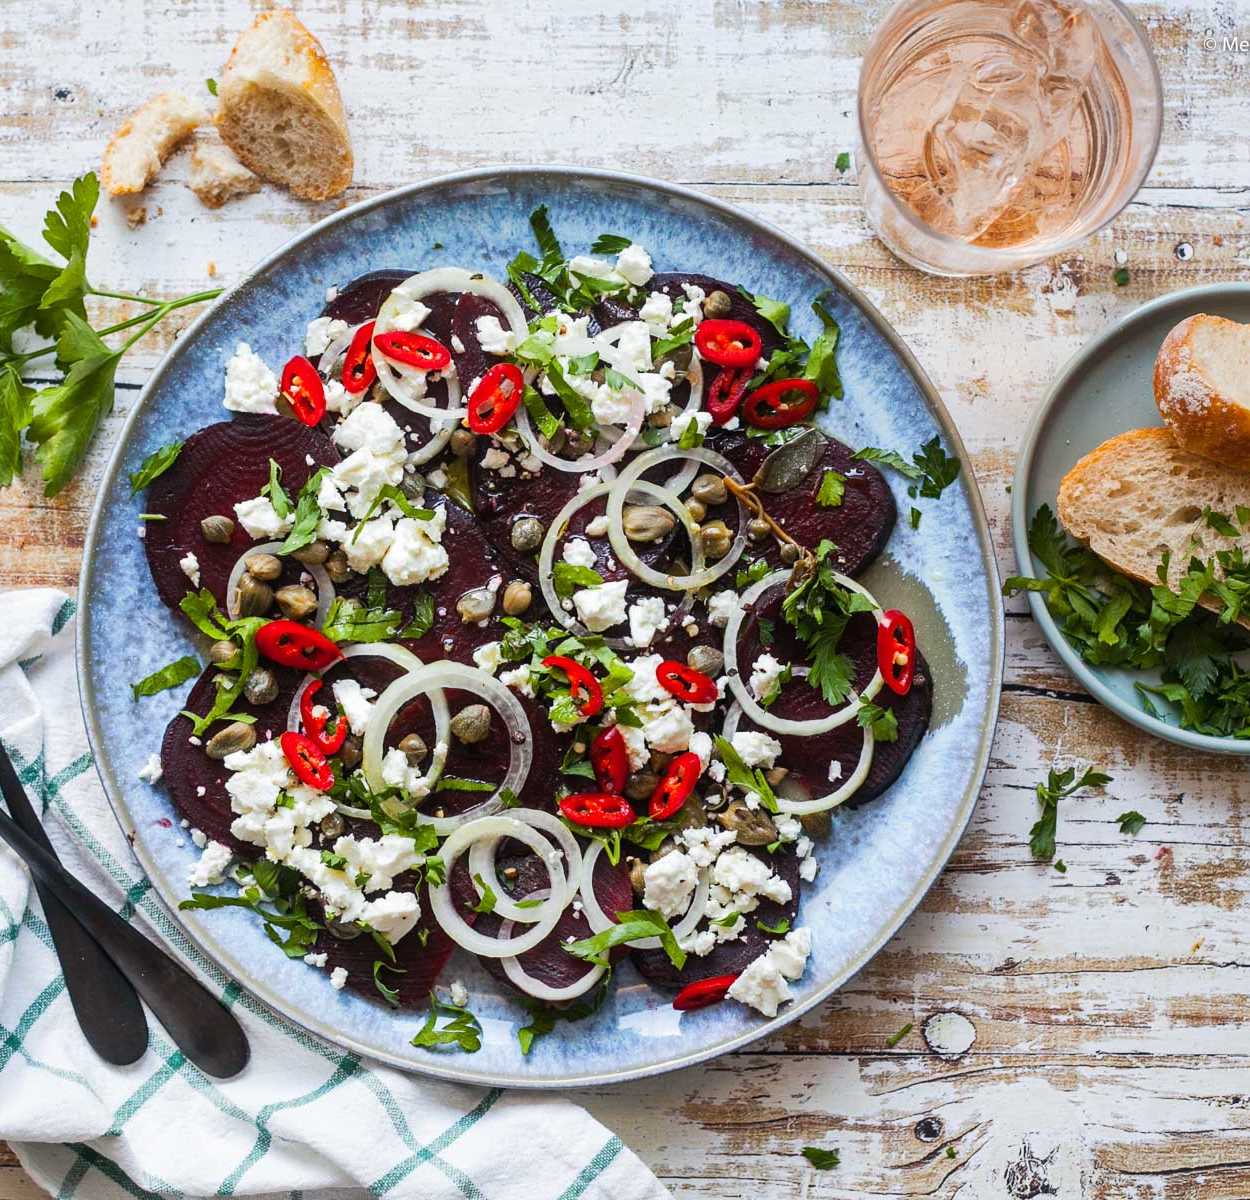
(203, 1029)
(104, 1000)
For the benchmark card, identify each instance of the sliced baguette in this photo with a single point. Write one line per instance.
(280, 111)
(1202, 388)
(217, 177)
(137, 150)
(1139, 496)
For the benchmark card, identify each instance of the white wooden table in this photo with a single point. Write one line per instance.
(1112, 1051)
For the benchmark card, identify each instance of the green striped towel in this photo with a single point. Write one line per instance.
(304, 1118)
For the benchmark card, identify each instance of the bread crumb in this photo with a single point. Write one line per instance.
(217, 177)
(211, 269)
(95, 221)
(136, 215)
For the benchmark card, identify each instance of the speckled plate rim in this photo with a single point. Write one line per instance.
(967, 483)
(1037, 434)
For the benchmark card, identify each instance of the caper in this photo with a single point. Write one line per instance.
(217, 529)
(414, 749)
(312, 555)
(717, 304)
(333, 825)
(658, 760)
(691, 815)
(707, 660)
(817, 824)
(263, 566)
(638, 876)
(283, 405)
(345, 931)
(553, 444)
(661, 419)
(517, 597)
(476, 604)
(296, 601)
(337, 568)
(527, 534)
(646, 522)
(471, 724)
(710, 489)
(349, 752)
(238, 735)
(775, 775)
(642, 785)
(679, 356)
(758, 529)
(697, 509)
(222, 653)
(716, 539)
(254, 597)
(753, 825)
(463, 442)
(789, 553)
(576, 443)
(261, 686)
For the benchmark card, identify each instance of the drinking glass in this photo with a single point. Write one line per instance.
(993, 135)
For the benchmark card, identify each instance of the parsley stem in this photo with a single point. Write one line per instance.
(126, 296)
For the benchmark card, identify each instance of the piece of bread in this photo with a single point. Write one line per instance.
(1202, 388)
(136, 151)
(217, 176)
(280, 111)
(1140, 495)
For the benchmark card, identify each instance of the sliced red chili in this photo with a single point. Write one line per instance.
(497, 396)
(781, 403)
(679, 779)
(583, 686)
(610, 759)
(728, 343)
(896, 651)
(413, 349)
(302, 386)
(294, 645)
(315, 723)
(359, 371)
(309, 764)
(725, 394)
(598, 810)
(703, 992)
(687, 684)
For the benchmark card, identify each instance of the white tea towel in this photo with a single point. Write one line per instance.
(304, 1117)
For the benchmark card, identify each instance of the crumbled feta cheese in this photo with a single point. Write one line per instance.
(681, 422)
(835, 771)
(487, 658)
(808, 869)
(381, 859)
(593, 268)
(635, 746)
(602, 606)
(316, 960)
(493, 337)
(669, 731)
(704, 843)
(407, 314)
(791, 953)
(756, 749)
(766, 676)
(416, 552)
(669, 883)
(746, 877)
(211, 869)
(722, 606)
(657, 311)
(339, 399)
(338, 978)
(693, 306)
(597, 527)
(634, 263)
(459, 993)
(354, 701)
(495, 459)
(259, 518)
(633, 346)
(646, 618)
(519, 680)
(762, 986)
(151, 772)
(610, 407)
(393, 915)
(578, 552)
(190, 568)
(199, 838)
(369, 543)
(645, 687)
(320, 333)
(251, 386)
(701, 744)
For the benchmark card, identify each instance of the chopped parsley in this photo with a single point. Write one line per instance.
(488, 900)
(1131, 822)
(1059, 785)
(894, 1038)
(822, 1160)
(155, 465)
(275, 894)
(567, 577)
(460, 1029)
(749, 779)
(630, 927)
(169, 676)
(610, 243)
(832, 489)
(842, 163)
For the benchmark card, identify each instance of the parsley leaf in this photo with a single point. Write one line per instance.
(882, 721)
(610, 243)
(842, 163)
(822, 1160)
(1131, 822)
(156, 464)
(15, 415)
(822, 363)
(782, 926)
(462, 1029)
(169, 676)
(389, 994)
(1059, 785)
(307, 515)
(567, 577)
(832, 489)
(749, 779)
(487, 893)
(630, 927)
(775, 312)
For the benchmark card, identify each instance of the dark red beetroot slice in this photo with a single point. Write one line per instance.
(549, 962)
(808, 758)
(472, 362)
(186, 767)
(419, 965)
(729, 958)
(219, 467)
(741, 309)
(860, 526)
(360, 300)
(540, 292)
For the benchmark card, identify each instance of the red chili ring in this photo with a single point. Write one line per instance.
(725, 394)
(359, 370)
(310, 766)
(680, 778)
(896, 636)
(413, 349)
(728, 343)
(583, 686)
(302, 386)
(687, 684)
(610, 759)
(703, 992)
(496, 397)
(598, 810)
(291, 644)
(767, 407)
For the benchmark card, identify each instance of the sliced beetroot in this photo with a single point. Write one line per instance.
(860, 526)
(219, 467)
(186, 768)
(538, 290)
(360, 300)
(611, 310)
(472, 362)
(729, 958)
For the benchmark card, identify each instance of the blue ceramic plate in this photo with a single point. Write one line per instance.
(1107, 388)
(880, 860)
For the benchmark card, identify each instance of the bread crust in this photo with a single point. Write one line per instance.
(279, 55)
(1203, 420)
(137, 151)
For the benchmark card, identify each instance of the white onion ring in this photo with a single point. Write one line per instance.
(535, 987)
(335, 349)
(614, 453)
(760, 715)
(598, 920)
(631, 478)
(416, 287)
(431, 680)
(325, 589)
(555, 531)
(852, 783)
(389, 650)
(495, 828)
(482, 863)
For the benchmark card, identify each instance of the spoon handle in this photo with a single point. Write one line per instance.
(104, 1000)
(203, 1029)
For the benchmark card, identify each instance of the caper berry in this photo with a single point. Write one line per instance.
(517, 597)
(345, 931)
(710, 489)
(261, 686)
(296, 601)
(463, 442)
(716, 539)
(254, 598)
(753, 826)
(238, 735)
(642, 785)
(263, 566)
(817, 824)
(789, 553)
(758, 529)
(349, 752)
(312, 555)
(527, 534)
(638, 876)
(717, 304)
(471, 724)
(476, 605)
(217, 529)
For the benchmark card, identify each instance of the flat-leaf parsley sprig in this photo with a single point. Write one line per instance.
(61, 419)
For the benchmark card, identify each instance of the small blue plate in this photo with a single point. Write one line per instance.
(1106, 389)
(880, 860)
